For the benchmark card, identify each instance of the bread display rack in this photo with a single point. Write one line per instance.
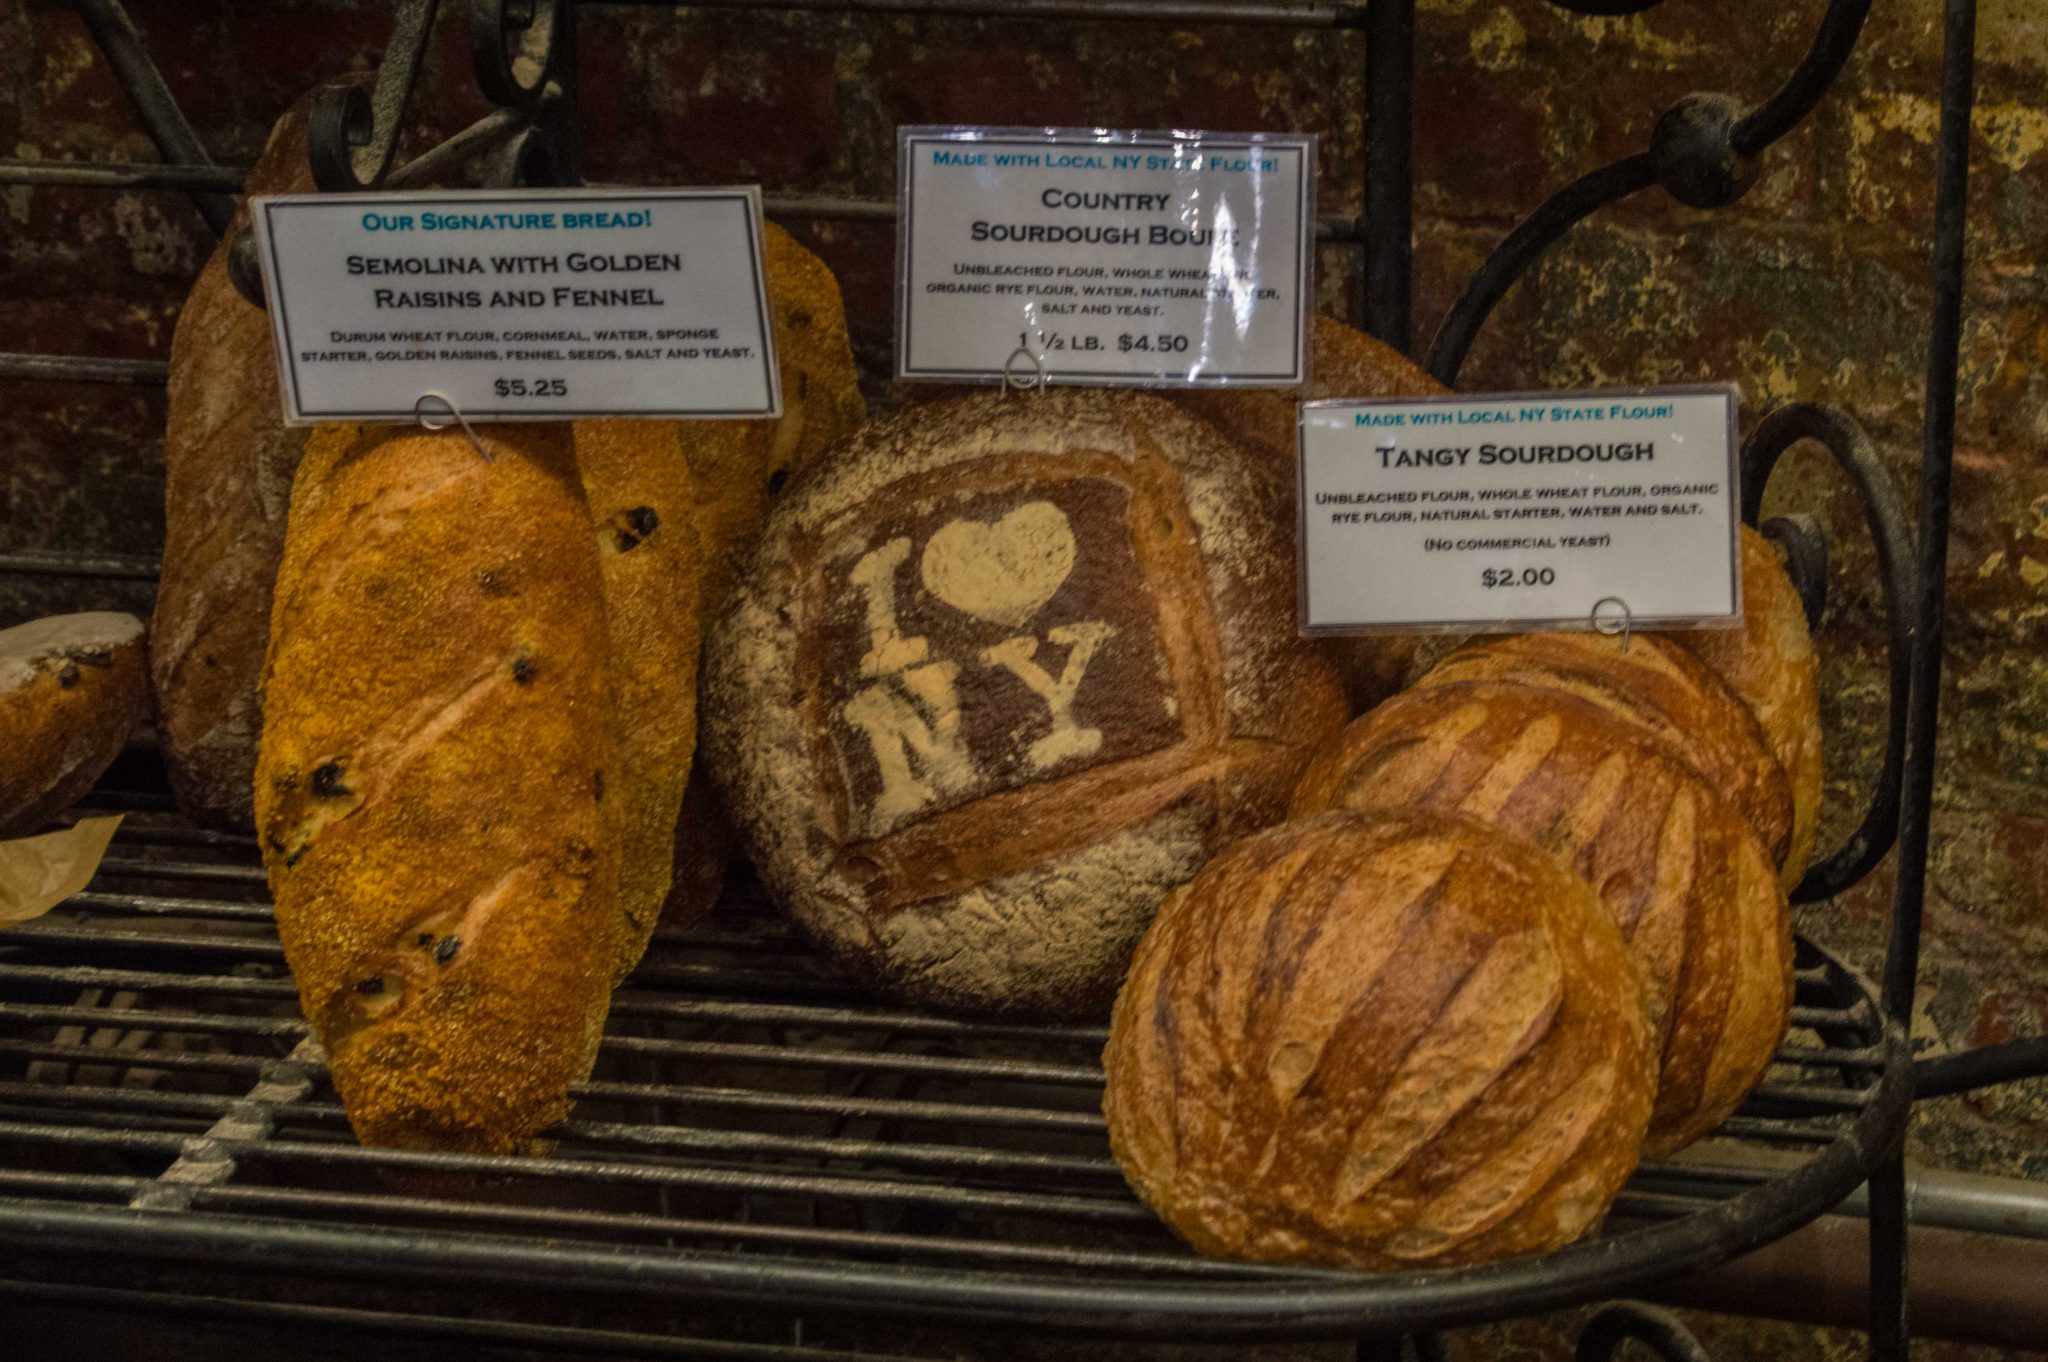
(764, 1155)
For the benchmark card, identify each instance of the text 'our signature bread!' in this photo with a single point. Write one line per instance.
(431, 795)
(1673, 863)
(1399, 1039)
(999, 676)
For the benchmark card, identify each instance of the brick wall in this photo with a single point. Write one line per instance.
(1814, 287)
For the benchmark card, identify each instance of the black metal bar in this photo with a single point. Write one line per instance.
(216, 179)
(1389, 176)
(1519, 249)
(1889, 1328)
(65, 563)
(1885, 515)
(1306, 14)
(121, 43)
(1816, 72)
(1651, 1325)
(85, 369)
(1983, 1067)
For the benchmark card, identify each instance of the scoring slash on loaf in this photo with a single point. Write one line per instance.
(1344, 362)
(1387, 1040)
(999, 676)
(1673, 863)
(72, 690)
(1770, 665)
(430, 786)
(228, 463)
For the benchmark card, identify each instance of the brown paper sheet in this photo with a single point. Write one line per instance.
(38, 873)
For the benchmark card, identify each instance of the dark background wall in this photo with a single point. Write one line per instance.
(1813, 287)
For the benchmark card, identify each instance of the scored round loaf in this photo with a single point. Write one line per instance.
(1399, 1039)
(637, 488)
(72, 690)
(1674, 864)
(430, 785)
(1770, 665)
(1003, 672)
(1343, 362)
(1656, 684)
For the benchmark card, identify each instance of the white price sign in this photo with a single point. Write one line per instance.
(1520, 510)
(529, 305)
(1090, 256)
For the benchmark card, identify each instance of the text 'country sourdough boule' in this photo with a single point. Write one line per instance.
(999, 676)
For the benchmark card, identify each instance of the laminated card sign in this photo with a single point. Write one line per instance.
(1605, 510)
(527, 305)
(1089, 256)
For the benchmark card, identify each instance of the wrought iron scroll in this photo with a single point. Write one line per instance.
(353, 133)
(1702, 152)
(1626, 1321)
(1886, 517)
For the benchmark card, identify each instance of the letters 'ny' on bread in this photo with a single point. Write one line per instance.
(430, 786)
(228, 463)
(1001, 674)
(1344, 362)
(1400, 1039)
(72, 690)
(1769, 663)
(1673, 863)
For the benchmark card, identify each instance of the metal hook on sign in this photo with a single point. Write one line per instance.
(1036, 382)
(1611, 625)
(454, 417)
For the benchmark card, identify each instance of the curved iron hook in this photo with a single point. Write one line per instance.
(537, 24)
(352, 135)
(1891, 532)
(1624, 1321)
(1743, 138)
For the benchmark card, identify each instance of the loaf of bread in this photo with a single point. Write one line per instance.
(637, 487)
(1392, 1040)
(1344, 362)
(1001, 673)
(228, 462)
(72, 690)
(1675, 865)
(431, 786)
(1657, 684)
(1769, 663)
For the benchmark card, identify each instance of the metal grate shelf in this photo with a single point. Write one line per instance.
(755, 1132)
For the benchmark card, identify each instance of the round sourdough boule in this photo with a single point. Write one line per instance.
(1674, 864)
(1770, 665)
(1001, 673)
(1655, 683)
(72, 690)
(1400, 1039)
(1343, 362)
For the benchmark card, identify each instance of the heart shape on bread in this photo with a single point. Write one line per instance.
(1003, 572)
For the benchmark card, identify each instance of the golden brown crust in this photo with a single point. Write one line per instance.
(1382, 1040)
(1655, 683)
(1345, 362)
(228, 462)
(72, 690)
(637, 487)
(1000, 675)
(1770, 665)
(1674, 864)
(429, 784)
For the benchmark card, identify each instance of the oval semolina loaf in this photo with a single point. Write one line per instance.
(72, 690)
(1770, 665)
(430, 785)
(1344, 362)
(1658, 685)
(1674, 864)
(1388, 1040)
(1002, 673)
(228, 463)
